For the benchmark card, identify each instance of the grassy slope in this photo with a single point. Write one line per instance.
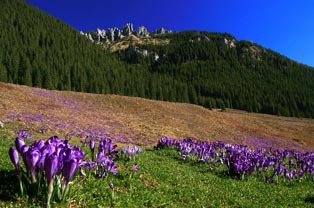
(141, 121)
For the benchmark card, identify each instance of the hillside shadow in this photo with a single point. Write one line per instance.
(9, 185)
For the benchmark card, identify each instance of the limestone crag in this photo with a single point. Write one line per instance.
(127, 29)
(229, 43)
(115, 34)
(162, 31)
(142, 31)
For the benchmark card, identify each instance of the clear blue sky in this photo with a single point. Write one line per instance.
(285, 26)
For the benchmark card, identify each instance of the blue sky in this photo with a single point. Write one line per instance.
(285, 26)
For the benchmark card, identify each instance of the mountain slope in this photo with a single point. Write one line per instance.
(142, 121)
(237, 74)
(208, 69)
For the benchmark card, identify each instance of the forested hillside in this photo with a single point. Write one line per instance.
(221, 72)
(209, 69)
(39, 50)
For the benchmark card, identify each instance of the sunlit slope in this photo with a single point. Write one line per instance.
(142, 121)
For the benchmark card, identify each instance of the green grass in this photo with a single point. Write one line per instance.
(164, 180)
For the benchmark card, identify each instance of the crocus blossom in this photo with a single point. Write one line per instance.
(51, 166)
(14, 156)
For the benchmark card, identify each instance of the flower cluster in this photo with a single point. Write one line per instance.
(242, 161)
(131, 151)
(104, 162)
(23, 134)
(53, 158)
(166, 142)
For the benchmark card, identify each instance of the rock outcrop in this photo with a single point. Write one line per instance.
(229, 43)
(162, 31)
(128, 41)
(115, 34)
(127, 29)
(142, 31)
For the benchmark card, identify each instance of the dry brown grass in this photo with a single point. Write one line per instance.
(143, 121)
(125, 42)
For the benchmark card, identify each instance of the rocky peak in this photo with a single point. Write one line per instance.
(127, 29)
(142, 31)
(115, 34)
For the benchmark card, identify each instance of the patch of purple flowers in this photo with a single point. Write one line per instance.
(51, 158)
(23, 134)
(36, 155)
(242, 161)
(104, 162)
(131, 151)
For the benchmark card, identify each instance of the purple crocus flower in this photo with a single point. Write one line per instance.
(24, 149)
(39, 144)
(19, 143)
(53, 140)
(106, 147)
(100, 155)
(14, 156)
(279, 170)
(92, 144)
(131, 151)
(69, 169)
(92, 148)
(44, 154)
(109, 165)
(78, 153)
(135, 167)
(24, 134)
(31, 157)
(90, 165)
(289, 174)
(51, 166)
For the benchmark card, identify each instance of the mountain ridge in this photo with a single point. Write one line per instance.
(115, 34)
(106, 36)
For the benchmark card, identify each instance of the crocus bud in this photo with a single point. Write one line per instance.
(14, 157)
(51, 165)
(42, 159)
(69, 169)
(24, 149)
(39, 144)
(92, 144)
(135, 167)
(31, 157)
(19, 143)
